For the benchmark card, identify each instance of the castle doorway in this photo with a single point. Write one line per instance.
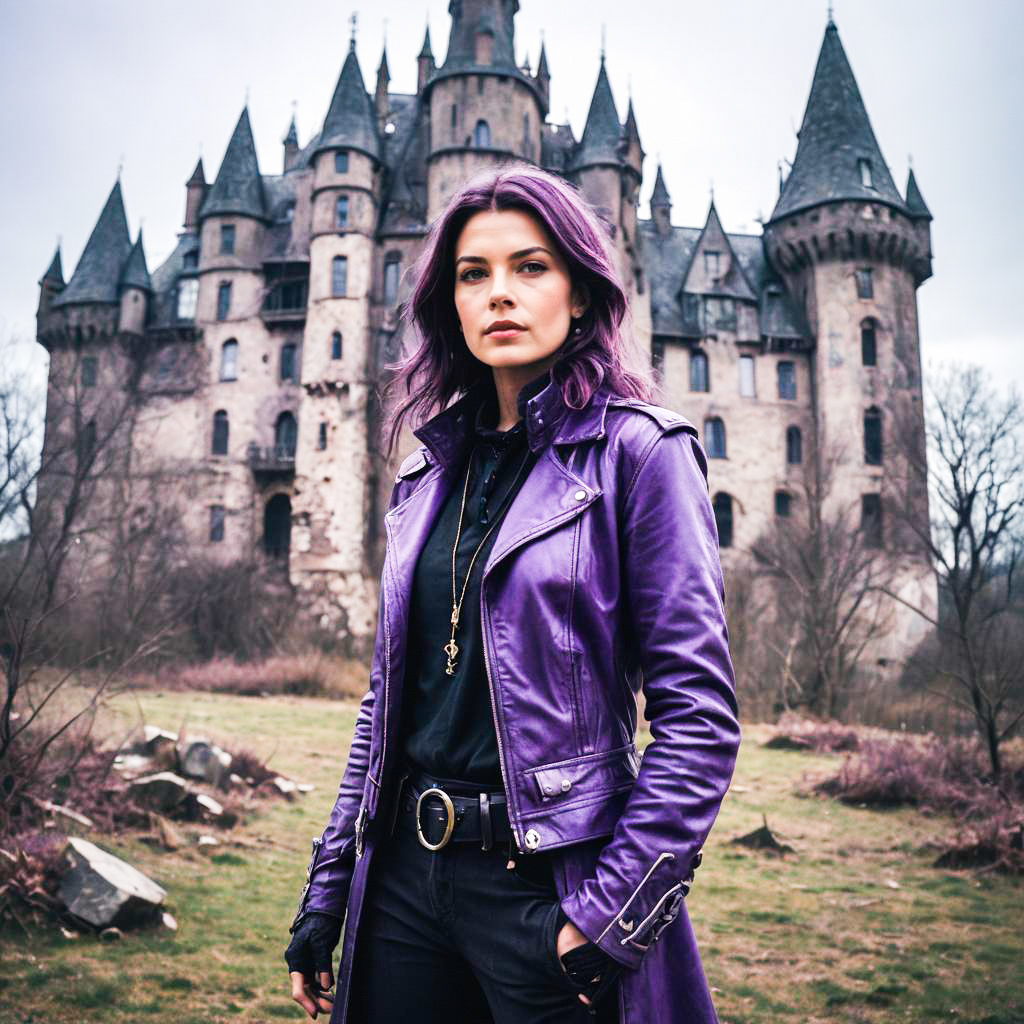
(277, 526)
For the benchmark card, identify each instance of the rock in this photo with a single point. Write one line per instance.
(284, 786)
(169, 922)
(207, 843)
(170, 837)
(111, 934)
(131, 766)
(64, 812)
(763, 839)
(163, 791)
(306, 787)
(237, 781)
(104, 890)
(201, 759)
(209, 806)
(786, 741)
(68, 933)
(162, 746)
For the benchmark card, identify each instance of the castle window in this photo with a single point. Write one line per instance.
(286, 436)
(229, 360)
(794, 446)
(322, 437)
(482, 135)
(865, 285)
(223, 300)
(89, 372)
(783, 503)
(87, 441)
(722, 504)
(714, 437)
(216, 523)
(699, 372)
(392, 271)
(873, 437)
(747, 377)
(188, 298)
(480, 79)
(787, 379)
(277, 526)
(712, 263)
(191, 259)
(339, 277)
(288, 366)
(220, 433)
(341, 161)
(455, 119)
(871, 519)
(227, 239)
(341, 212)
(868, 348)
(336, 345)
(864, 170)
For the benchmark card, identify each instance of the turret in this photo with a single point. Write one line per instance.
(425, 66)
(195, 193)
(51, 284)
(543, 78)
(136, 288)
(291, 147)
(661, 205)
(381, 102)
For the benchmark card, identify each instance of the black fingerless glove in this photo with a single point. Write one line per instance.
(592, 971)
(312, 947)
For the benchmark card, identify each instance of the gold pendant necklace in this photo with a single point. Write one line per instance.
(451, 649)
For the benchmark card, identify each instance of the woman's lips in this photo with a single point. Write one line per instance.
(505, 332)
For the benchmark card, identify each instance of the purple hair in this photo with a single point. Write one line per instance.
(443, 366)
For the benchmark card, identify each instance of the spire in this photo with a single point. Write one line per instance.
(426, 50)
(99, 268)
(602, 134)
(542, 63)
(239, 187)
(916, 205)
(630, 130)
(837, 154)
(482, 35)
(382, 69)
(135, 273)
(351, 120)
(198, 175)
(54, 272)
(660, 196)
(292, 138)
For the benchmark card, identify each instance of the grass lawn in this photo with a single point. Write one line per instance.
(855, 926)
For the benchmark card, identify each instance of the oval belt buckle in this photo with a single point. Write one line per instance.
(449, 808)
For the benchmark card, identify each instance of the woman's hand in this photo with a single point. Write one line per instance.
(309, 957)
(569, 938)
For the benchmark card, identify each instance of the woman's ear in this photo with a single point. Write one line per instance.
(580, 301)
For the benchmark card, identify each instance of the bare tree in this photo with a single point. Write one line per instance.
(973, 465)
(824, 575)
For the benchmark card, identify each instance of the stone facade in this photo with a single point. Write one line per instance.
(256, 348)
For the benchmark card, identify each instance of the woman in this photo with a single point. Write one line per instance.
(551, 551)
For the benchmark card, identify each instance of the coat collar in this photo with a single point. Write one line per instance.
(548, 420)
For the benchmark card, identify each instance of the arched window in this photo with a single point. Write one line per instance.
(783, 500)
(216, 523)
(341, 161)
(873, 437)
(288, 367)
(699, 372)
(794, 446)
(321, 442)
(277, 525)
(220, 432)
(229, 360)
(482, 135)
(392, 273)
(341, 212)
(336, 345)
(286, 436)
(868, 344)
(787, 379)
(339, 277)
(714, 437)
(871, 519)
(722, 504)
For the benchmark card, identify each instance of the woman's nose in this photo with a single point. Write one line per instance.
(500, 294)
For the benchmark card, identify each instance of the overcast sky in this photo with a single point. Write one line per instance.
(719, 88)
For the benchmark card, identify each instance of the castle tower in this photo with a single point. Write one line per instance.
(425, 66)
(291, 147)
(484, 111)
(135, 288)
(543, 77)
(333, 469)
(195, 193)
(854, 252)
(381, 102)
(661, 205)
(51, 284)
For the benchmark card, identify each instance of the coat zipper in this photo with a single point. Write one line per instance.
(494, 712)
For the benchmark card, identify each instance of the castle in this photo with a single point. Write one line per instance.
(256, 349)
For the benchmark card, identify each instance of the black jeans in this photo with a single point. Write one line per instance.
(454, 937)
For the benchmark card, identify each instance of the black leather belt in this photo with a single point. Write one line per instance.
(444, 813)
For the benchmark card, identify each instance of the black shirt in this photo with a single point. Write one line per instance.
(447, 720)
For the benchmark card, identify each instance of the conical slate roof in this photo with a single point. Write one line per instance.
(350, 121)
(601, 136)
(660, 196)
(469, 19)
(426, 51)
(292, 138)
(916, 205)
(835, 134)
(239, 187)
(630, 128)
(136, 273)
(198, 175)
(55, 271)
(99, 269)
(542, 64)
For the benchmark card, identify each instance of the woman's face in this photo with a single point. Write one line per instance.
(508, 269)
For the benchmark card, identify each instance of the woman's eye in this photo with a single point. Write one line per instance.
(534, 264)
(472, 270)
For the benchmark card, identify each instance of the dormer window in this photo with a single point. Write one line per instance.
(341, 162)
(712, 263)
(864, 170)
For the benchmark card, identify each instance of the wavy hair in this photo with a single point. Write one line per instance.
(442, 366)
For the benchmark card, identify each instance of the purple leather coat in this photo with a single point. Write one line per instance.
(604, 577)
